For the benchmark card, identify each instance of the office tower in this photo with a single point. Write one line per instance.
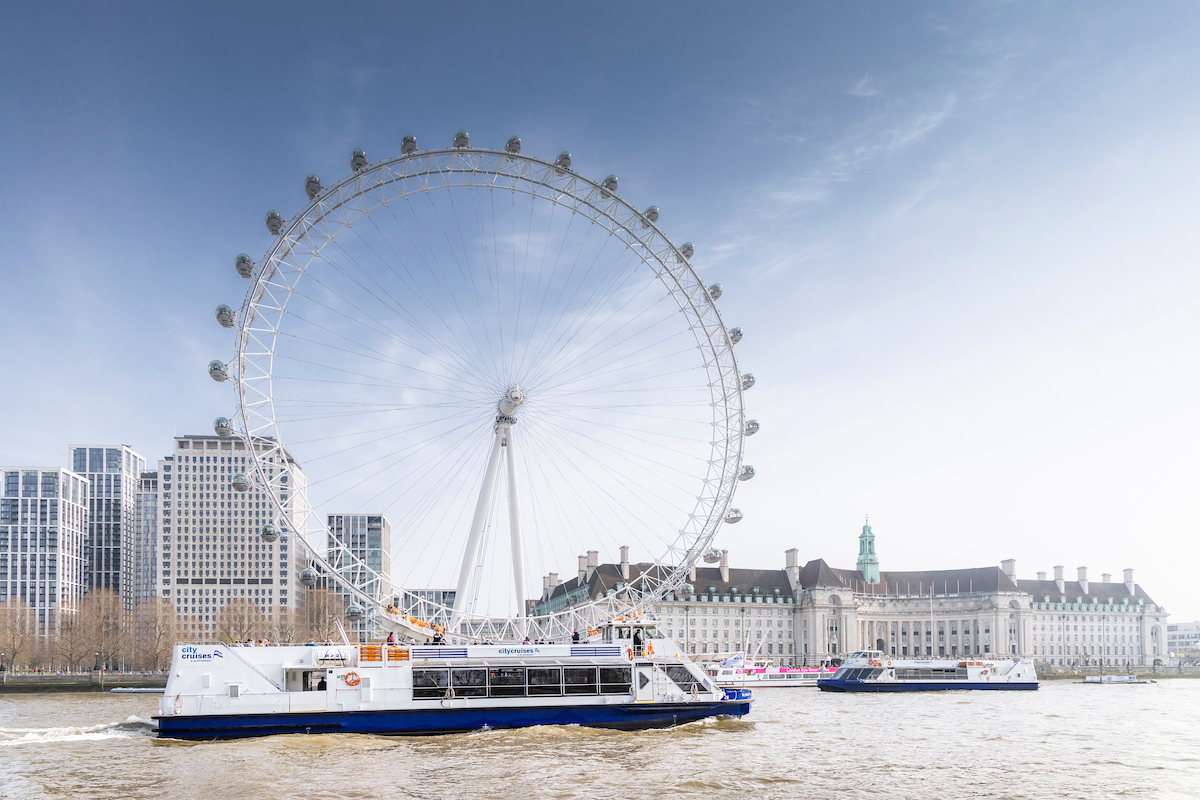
(210, 550)
(145, 539)
(112, 472)
(368, 537)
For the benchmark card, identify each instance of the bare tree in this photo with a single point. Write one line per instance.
(102, 614)
(157, 631)
(287, 626)
(322, 609)
(17, 631)
(73, 646)
(240, 620)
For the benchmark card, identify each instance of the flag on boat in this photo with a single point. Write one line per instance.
(735, 660)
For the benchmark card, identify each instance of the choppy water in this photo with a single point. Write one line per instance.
(1063, 741)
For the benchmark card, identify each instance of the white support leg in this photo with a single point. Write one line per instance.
(481, 510)
(514, 528)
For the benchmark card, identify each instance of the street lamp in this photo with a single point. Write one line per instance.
(97, 667)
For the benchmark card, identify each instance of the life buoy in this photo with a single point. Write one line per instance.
(649, 648)
(984, 672)
(352, 678)
(629, 653)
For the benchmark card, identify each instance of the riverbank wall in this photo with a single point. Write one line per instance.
(80, 682)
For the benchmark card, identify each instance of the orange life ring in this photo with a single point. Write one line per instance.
(984, 672)
(649, 648)
(629, 653)
(352, 678)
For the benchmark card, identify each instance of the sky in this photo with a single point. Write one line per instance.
(960, 237)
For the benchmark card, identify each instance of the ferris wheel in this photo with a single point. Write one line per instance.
(507, 362)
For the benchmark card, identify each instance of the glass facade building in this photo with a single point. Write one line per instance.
(368, 537)
(43, 542)
(112, 472)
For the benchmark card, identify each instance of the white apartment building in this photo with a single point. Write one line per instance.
(43, 535)
(1183, 637)
(210, 550)
(112, 472)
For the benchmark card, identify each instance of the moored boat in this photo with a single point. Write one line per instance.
(761, 673)
(872, 671)
(217, 691)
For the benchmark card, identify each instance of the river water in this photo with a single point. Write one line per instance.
(1063, 741)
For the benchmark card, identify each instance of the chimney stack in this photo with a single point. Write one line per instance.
(1041, 576)
(1083, 581)
(583, 570)
(1058, 578)
(793, 567)
(1009, 565)
(625, 562)
(1106, 577)
(593, 562)
(1129, 584)
(692, 574)
(545, 587)
(725, 566)
(554, 581)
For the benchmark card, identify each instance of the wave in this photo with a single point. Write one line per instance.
(130, 727)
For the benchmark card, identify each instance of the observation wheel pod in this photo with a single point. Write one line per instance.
(243, 265)
(225, 316)
(734, 516)
(747, 473)
(715, 291)
(747, 381)
(751, 427)
(269, 533)
(223, 427)
(312, 187)
(450, 308)
(218, 371)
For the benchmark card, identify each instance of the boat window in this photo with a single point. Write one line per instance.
(430, 683)
(506, 682)
(616, 680)
(579, 680)
(653, 633)
(469, 682)
(545, 680)
(683, 677)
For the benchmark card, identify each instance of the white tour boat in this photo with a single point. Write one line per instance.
(217, 691)
(872, 671)
(761, 673)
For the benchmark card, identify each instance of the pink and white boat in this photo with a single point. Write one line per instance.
(761, 673)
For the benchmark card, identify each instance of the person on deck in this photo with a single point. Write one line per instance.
(575, 637)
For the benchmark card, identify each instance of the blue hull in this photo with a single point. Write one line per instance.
(831, 685)
(454, 720)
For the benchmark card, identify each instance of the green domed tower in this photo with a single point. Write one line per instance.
(868, 562)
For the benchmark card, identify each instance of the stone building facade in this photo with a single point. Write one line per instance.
(811, 613)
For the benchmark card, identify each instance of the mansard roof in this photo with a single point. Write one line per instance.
(607, 576)
(1040, 590)
(940, 581)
